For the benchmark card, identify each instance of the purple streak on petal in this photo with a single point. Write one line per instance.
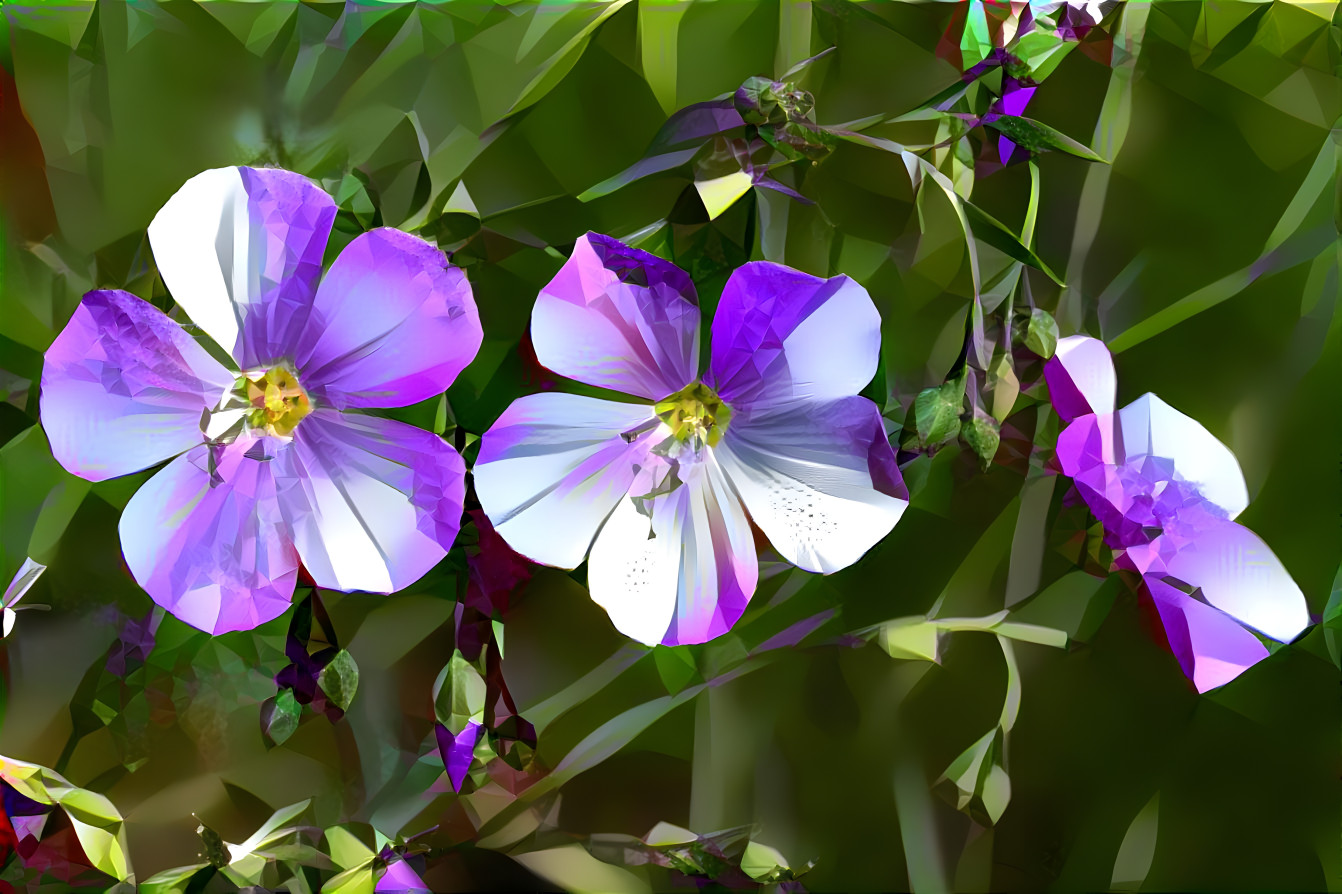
(291, 222)
(1212, 647)
(619, 318)
(698, 122)
(373, 503)
(392, 324)
(1088, 442)
(456, 751)
(1014, 99)
(1080, 377)
(399, 878)
(553, 467)
(685, 574)
(781, 335)
(719, 568)
(124, 387)
(210, 546)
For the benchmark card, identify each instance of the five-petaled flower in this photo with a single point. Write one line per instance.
(1166, 491)
(269, 466)
(658, 491)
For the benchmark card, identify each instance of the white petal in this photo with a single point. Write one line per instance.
(1151, 427)
(633, 575)
(1239, 574)
(691, 581)
(804, 477)
(552, 468)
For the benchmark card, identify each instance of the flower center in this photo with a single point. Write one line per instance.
(277, 401)
(695, 414)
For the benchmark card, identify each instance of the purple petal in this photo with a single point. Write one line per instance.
(373, 503)
(553, 467)
(124, 387)
(1238, 573)
(1081, 377)
(619, 318)
(241, 251)
(399, 878)
(819, 479)
(1149, 427)
(781, 336)
(683, 576)
(457, 750)
(211, 547)
(1211, 646)
(1086, 444)
(392, 324)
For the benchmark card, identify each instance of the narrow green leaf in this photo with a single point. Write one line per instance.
(995, 233)
(1039, 137)
(1138, 848)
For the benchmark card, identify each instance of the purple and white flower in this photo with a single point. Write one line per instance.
(270, 468)
(1167, 491)
(659, 495)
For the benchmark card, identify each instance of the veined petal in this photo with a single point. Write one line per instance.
(685, 574)
(553, 467)
(373, 503)
(1238, 573)
(819, 479)
(393, 323)
(781, 336)
(1150, 427)
(241, 251)
(1212, 647)
(1081, 377)
(124, 387)
(205, 538)
(620, 318)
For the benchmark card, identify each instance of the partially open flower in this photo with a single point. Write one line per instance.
(1167, 491)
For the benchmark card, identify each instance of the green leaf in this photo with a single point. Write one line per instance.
(459, 694)
(216, 852)
(1005, 388)
(995, 233)
(676, 666)
(1138, 848)
(721, 193)
(936, 412)
(340, 679)
(1038, 137)
(1041, 333)
(1332, 620)
(982, 435)
(279, 716)
(910, 638)
(764, 864)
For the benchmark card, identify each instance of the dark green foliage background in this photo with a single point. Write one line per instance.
(108, 107)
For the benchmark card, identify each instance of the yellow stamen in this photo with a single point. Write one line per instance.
(695, 412)
(279, 401)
